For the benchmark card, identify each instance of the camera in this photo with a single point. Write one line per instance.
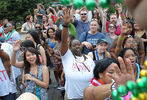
(93, 46)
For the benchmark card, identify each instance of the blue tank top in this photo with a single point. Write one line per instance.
(52, 45)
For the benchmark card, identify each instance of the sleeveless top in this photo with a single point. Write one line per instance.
(30, 85)
(44, 27)
(4, 81)
(52, 45)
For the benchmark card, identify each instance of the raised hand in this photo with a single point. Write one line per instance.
(87, 44)
(125, 74)
(124, 29)
(66, 17)
(16, 45)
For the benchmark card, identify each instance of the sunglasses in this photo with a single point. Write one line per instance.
(133, 42)
(37, 27)
(9, 25)
(111, 26)
(83, 14)
(94, 20)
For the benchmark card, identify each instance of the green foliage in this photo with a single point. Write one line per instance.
(16, 10)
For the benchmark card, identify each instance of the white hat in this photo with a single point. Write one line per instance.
(27, 96)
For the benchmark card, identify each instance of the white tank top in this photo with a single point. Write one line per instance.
(4, 80)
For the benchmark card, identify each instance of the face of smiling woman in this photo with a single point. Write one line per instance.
(31, 57)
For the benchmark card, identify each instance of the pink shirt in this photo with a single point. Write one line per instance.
(118, 28)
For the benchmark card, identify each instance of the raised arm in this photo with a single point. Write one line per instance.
(23, 29)
(103, 16)
(98, 92)
(16, 47)
(121, 39)
(64, 42)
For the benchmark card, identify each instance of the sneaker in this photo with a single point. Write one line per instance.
(61, 88)
(55, 86)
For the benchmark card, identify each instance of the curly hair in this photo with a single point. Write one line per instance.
(123, 51)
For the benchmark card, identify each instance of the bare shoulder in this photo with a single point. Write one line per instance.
(88, 93)
(44, 68)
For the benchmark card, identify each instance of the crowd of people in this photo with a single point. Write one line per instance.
(91, 52)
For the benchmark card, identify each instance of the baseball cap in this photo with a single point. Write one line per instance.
(102, 41)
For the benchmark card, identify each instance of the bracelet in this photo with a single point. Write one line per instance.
(65, 26)
(113, 85)
(121, 38)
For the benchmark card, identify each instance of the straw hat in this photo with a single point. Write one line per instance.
(27, 96)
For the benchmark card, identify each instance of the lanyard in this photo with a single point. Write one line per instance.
(137, 71)
(98, 56)
(8, 36)
(84, 66)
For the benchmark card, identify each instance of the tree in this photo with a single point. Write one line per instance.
(16, 10)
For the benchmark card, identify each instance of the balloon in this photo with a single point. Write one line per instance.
(120, 1)
(131, 85)
(104, 3)
(65, 2)
(141, 84)
(142, 96)
(90, 4)
(78, 3)
(115, 95)
(133, 98)
(143, 73)
(135, 93)
(122, 91)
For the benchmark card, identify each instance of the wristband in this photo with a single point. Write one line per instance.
(65, 26)
(121, 38)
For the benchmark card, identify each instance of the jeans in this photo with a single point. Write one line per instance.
(9, 97)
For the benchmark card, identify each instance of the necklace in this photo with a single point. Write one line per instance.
(139, 33)
(8, 36)
(96, 82)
